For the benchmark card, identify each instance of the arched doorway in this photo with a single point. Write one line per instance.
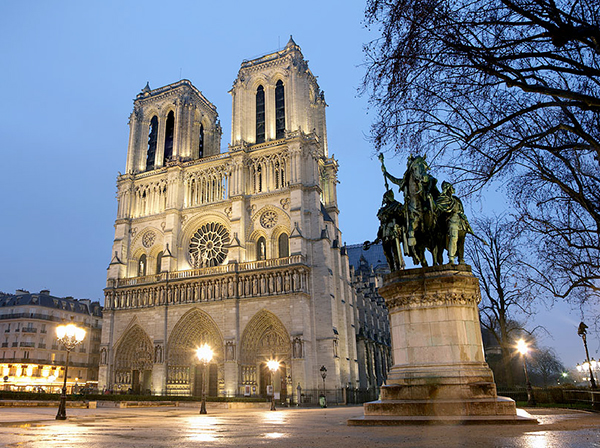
(265, 337)
(134, 361)
(184, 370)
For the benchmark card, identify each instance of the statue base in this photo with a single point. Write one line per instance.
(439, 373)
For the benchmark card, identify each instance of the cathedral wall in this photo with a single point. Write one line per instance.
(167, 279)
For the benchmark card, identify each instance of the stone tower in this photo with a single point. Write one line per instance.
(239, 250)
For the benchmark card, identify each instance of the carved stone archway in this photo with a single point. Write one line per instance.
(194, 329)
(134, 360)
(264, 337)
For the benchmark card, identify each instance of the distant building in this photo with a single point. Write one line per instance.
(30, 356)
(373, 340)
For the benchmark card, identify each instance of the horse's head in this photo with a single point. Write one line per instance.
(418, 168)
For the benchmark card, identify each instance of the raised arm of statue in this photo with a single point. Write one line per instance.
(387, 175)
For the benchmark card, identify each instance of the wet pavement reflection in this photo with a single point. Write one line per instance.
(289, 427)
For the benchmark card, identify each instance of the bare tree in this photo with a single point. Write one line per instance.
(546, 366)
(507, 295)
(502, 90)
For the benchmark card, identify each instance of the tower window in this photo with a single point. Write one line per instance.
(284, 245)
(260, 114)
(159, 258)
(142, 266)
(169, 133)
(261, 249)
(279, 110)
(201, 142)
(152, 137)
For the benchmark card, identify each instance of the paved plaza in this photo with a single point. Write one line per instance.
(184, 427)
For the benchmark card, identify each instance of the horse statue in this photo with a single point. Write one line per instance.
(420, 193)
(428, 220)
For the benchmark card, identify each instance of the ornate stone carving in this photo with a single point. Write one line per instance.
(208, 246)
(268, 219)
(148, 239)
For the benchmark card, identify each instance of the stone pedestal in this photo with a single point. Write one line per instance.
(439, 373)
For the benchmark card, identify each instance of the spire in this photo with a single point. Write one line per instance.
(147, 88)
(291, 43)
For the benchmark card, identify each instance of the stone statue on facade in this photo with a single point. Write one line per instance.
(428, 220)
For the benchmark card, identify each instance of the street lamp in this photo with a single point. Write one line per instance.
(523, 348)
(582, 331)
(323, 371)
(273, 367)
(204, 355)
(70, 336)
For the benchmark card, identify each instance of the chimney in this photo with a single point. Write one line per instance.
(21, 292)
(45, 292)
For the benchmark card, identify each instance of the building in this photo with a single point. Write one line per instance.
(31, 358)
(239, 250)
(373, 338)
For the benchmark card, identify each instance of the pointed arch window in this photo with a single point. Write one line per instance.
(169, 134)
(279, 110)
(201, 142)
(261, 249)
(152, 138)
(142, 266)
(260, 114)
(284, 245)
(159, 258)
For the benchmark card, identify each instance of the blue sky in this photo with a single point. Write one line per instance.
(70, 71)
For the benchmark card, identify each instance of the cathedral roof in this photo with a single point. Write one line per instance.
(374, 257)
(182, 85)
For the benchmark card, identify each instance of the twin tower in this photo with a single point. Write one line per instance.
(240, 250)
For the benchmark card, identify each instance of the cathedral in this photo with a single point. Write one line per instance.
(240, 250)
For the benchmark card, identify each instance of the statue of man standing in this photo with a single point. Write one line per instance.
(450, 208)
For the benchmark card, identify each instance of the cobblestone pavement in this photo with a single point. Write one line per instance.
(184, 427)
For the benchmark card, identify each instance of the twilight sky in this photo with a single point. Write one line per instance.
(70, 71)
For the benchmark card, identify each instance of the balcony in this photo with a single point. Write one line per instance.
(29, 330)
(15, 344)
(5, 344)
(27, 344)
(211, 271)
(41, 345)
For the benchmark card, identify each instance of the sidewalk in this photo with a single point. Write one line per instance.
(289, 427)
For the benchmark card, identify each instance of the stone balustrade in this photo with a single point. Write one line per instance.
(231, 281)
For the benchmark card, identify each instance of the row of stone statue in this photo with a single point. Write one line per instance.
(428, 220)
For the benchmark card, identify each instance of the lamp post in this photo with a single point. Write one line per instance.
(523, 348)
(273, 367)
(582, 331)
(70, 336)
(323, 371)
(204, 355)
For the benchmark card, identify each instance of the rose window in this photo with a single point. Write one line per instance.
(208, 246)
(268, 219)
(148, 238)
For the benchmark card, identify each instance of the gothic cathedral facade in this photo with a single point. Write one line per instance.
(239, 250)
